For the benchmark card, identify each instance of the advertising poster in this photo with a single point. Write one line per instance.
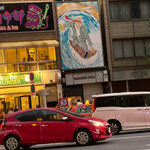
(18, 17)
(80, 35)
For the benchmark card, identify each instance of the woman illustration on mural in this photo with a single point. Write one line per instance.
(80, 37)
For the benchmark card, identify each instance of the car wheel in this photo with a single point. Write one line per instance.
(83, 137)
(12, 143)
(115, 127)
(26, 147)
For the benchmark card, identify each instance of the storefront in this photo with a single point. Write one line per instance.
(28, 46)
(16, 92)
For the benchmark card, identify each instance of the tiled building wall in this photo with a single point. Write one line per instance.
(136, 28)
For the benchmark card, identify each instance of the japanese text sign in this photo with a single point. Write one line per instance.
(18, 17)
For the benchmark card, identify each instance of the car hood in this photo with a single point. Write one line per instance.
(96, 119)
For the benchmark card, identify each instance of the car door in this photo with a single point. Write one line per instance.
(131, 112)
(28, 128)
(54, 129)
(147, 110)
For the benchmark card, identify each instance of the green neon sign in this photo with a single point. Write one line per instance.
(12, 79)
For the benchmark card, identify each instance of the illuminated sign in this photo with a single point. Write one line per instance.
(19, 79)
(26, 17)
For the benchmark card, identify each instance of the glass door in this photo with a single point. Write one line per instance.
(25, 102)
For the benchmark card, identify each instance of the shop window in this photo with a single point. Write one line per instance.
(2, 68)
(47, 66)
(2, 60)
(25, 103)
(22, 54)
(32, 66)
(10, 55)
(31, 52)
(46, 53)
(33, 101)
(12, 68)
(23, 68)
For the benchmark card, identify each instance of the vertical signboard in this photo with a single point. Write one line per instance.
(80, 35)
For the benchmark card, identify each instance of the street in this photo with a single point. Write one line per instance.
(139, 140)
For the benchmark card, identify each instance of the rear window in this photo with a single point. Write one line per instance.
(105, 102)
(27, 116)
(122, 101)
(84, 109)
(131, 101)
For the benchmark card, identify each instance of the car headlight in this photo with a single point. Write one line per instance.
(96, 123)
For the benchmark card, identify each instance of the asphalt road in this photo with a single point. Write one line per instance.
(139, 140)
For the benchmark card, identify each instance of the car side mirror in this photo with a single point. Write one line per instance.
(65, 118)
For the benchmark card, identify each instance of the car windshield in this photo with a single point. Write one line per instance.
(71, 113)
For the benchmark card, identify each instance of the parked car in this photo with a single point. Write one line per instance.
(123, 111)
(82, 109)
(48, 125)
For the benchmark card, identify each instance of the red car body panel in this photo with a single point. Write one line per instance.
(40, 132)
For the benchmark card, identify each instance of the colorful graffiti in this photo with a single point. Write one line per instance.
(35, 17)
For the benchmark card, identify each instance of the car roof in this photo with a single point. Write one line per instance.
(120, 94)
(22, 111)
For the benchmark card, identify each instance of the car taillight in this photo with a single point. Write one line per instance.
(93, 104)
(3, 124)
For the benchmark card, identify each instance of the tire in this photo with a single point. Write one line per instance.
(83, 137)
(115, 127)
(25, 147)
(12, 143)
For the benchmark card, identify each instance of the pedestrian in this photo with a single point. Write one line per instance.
(79, 102)
(16, 109)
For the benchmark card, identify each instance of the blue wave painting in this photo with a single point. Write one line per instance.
(70, 59)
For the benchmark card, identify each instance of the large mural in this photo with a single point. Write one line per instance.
(80, 35)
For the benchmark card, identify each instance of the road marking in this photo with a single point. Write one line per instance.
(131, 137)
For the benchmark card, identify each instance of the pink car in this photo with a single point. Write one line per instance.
(50, 125)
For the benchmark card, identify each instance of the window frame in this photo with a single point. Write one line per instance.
(130, 11)
(134, 50)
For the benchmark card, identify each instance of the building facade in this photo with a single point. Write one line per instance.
(29, 71)
(83, 61)
(127, 41)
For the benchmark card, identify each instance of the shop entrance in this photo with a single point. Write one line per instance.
(18, 102)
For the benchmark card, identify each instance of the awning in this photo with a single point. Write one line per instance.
(27, 44)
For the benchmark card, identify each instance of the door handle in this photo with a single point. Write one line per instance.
(18, 125)
(44, 125)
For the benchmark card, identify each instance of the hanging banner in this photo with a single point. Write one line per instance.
(18, 17)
